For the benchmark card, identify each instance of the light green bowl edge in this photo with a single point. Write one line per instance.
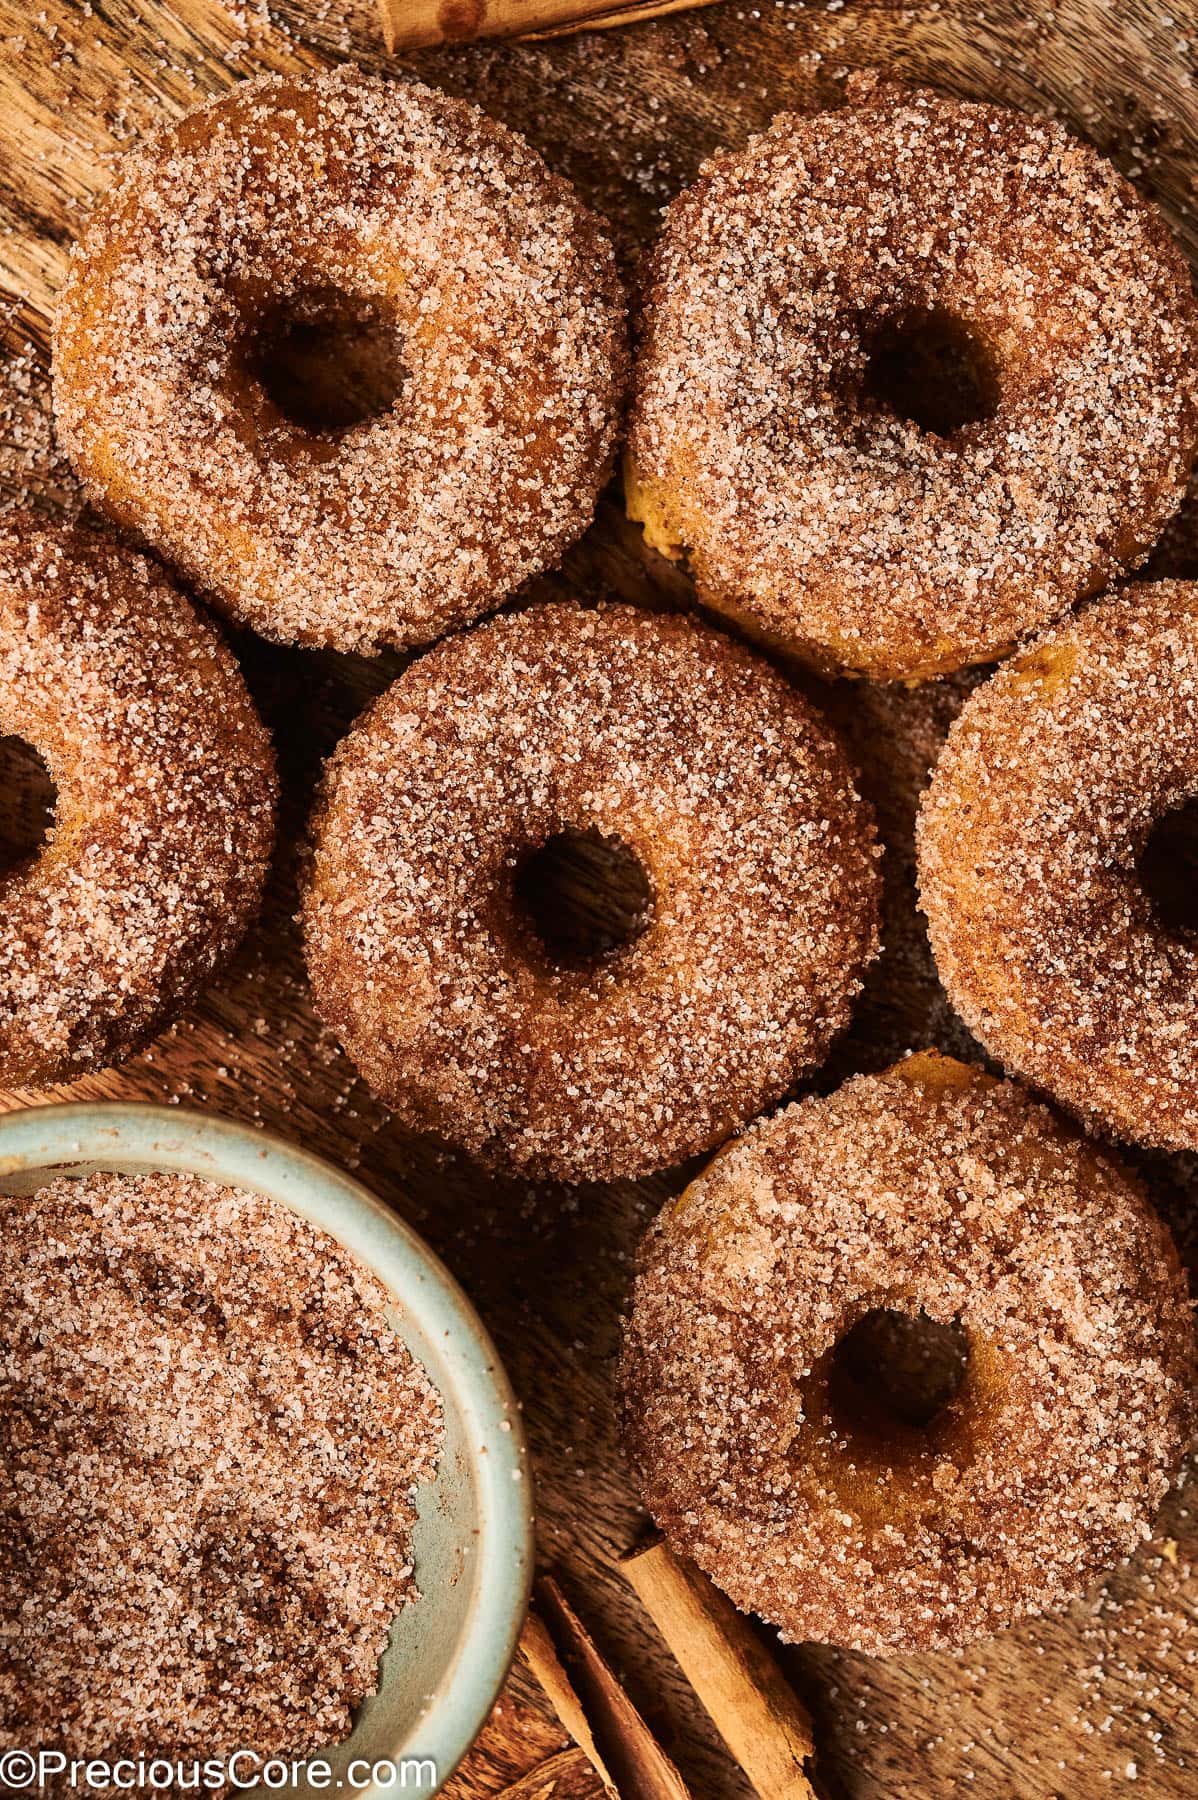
(183, 1138)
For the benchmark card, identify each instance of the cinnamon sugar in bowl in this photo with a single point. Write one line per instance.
(257, 1435)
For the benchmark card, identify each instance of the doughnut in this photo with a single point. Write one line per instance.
(937, 1208)
(1035, 845)
(915, 377)
(649, 734)
(347, 354)
(164, 821)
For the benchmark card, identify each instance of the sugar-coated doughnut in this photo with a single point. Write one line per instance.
(915, 376)
(656, 733)
(164, 820)
(930, 1192)
(1032, 839)
(328, 225)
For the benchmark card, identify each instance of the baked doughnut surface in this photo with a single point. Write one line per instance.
(915, 376)
(165, 784)
(652, 732)
(930, 1189)
(1032, 840)
(325, 228)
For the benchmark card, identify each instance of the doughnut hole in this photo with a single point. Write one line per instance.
(327, 361)
(893, 1373)
(928, 367)
(583, 896)
(1168, 868)
(28, 801)
(897, 1410)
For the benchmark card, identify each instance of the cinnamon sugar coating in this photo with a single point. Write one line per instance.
(1031, 836)
(166, 788)
(812, 511)
(930, 1188)
(651, 730)
(403, 213)
(213, 1445)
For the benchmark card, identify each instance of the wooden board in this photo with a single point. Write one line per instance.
(1073, 1707)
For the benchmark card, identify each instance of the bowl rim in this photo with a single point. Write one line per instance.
(53, 1134)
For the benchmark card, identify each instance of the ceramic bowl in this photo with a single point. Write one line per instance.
(450, 1652)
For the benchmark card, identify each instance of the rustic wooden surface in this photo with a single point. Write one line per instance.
(1071, 1707)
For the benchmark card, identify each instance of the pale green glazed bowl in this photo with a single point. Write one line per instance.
(450, 1652)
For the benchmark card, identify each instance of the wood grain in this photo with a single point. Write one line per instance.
(1079, 1706)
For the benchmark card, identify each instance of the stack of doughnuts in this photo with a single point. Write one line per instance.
(913, 380)
(474, 311)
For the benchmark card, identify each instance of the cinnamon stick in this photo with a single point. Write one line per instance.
(754, 1708)
(421, 24)
(537, 1648)
(566, 1776)
(640, 1767)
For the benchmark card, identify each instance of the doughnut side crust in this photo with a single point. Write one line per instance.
(701, 759)
(817, 517)
(500, 291)
(166, 790)
(931, 1188)
(1029, 840)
